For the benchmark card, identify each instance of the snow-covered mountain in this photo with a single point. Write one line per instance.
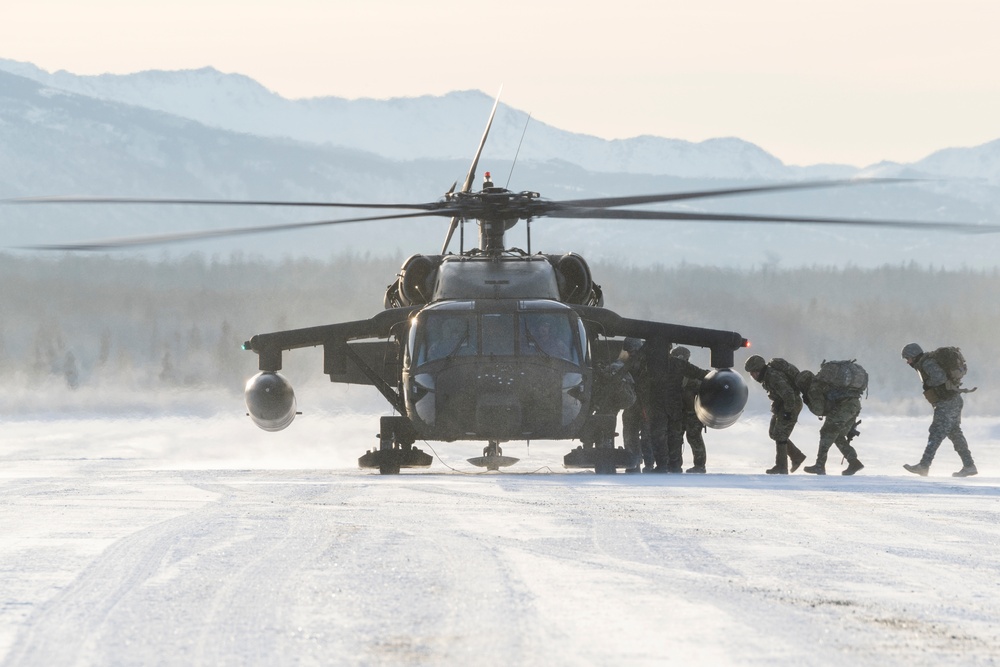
(203, 134)
(436, 127)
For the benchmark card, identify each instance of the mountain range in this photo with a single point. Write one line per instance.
(206, 134)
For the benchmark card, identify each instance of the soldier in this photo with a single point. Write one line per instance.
(635, 421)
(839, 409)
(666, 404)
(786, 403)
(947, 422)
(693, 428)
(614, 389)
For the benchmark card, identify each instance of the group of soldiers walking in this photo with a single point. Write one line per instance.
(837, 401)
(666, 385)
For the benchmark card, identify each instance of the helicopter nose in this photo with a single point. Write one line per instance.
(498, 413)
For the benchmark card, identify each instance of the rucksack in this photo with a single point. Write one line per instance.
(616, 387)
(843, 378)
(786, 368)
(952, 362)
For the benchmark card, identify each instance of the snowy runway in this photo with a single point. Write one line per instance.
(201, 541)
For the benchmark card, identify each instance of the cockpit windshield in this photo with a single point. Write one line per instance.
(448, 335)
(445, 334)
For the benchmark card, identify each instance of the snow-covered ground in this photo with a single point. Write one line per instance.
(203, 541)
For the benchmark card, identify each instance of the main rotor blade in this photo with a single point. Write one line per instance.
(605, 214)
(471, 175)
(161, 239)
(429, 206)
(607, 202)
(601, 202)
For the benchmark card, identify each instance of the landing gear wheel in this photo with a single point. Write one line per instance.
(605, 468)
(395, 449)
(605, 459)
(388, 468)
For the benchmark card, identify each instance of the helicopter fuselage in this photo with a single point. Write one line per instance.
(497, 369)
(505, 348)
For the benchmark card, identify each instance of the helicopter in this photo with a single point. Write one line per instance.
(490, 344)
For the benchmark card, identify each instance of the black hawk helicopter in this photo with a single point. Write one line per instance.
(491, 344)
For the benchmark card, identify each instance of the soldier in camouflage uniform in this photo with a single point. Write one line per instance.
(666, 404)
(947, 422)
(786, 403)
(635, 423)
(693, 427)
(839, 410)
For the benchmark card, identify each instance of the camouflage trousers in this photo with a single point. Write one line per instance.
(947, 423)
(667, 441)
(780, 431)
(636, 434)
(693, 429)
(836, 426)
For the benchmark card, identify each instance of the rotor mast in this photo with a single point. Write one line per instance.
(496, 218)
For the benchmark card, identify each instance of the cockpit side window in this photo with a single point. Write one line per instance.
(548, 334)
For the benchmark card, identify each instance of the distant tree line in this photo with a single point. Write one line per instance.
(174, 323)
(807, 315)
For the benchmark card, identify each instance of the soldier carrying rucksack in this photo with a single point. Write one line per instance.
(834, 395)
(777, 378)
(941, 372)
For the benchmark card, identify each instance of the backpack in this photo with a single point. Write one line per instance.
(786, 368)
(616, 387)
(842, 378)
(953, 364)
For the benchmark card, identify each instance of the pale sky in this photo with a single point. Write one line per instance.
(851, 81)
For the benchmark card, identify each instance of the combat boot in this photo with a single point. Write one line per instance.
(966, 471)
(852, 467)
(920, 469)
(818, 469)
(696, 469)
(780, 459)
(798, 458)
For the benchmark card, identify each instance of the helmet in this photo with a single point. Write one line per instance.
(632, 345)
(681, 352)
(755, 363)
(803, 380)
(911, 351)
